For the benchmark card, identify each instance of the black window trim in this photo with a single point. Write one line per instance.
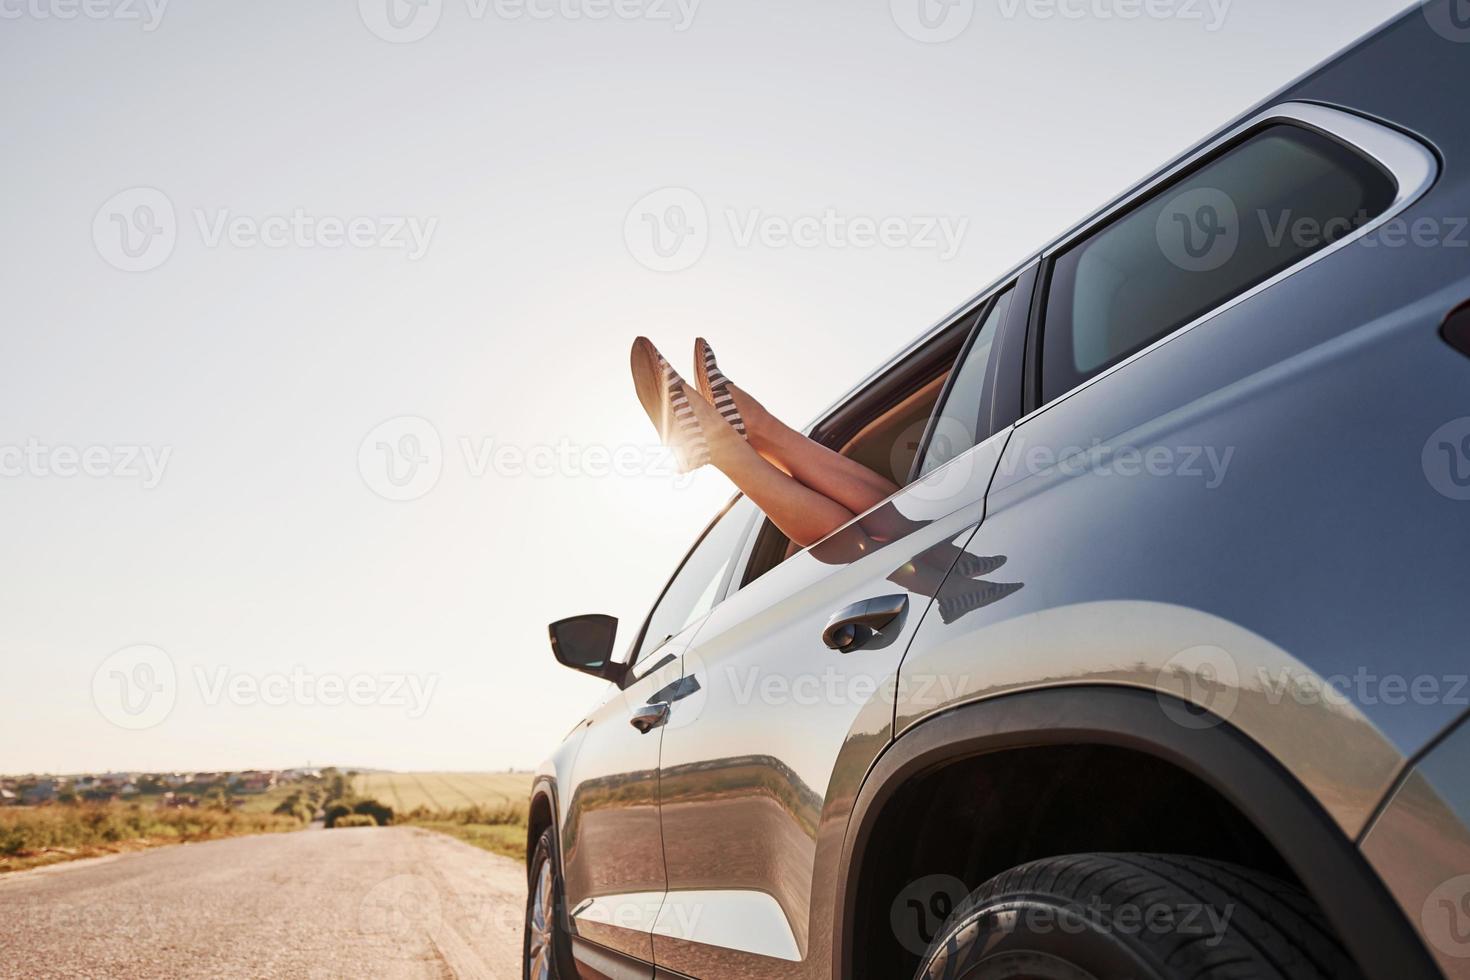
(1005, 361)
(1411, 166)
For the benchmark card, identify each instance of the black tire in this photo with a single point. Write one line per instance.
(1147, 916)
(554, 942)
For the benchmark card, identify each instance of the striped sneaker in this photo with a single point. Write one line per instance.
(714, 386)
(665, 398)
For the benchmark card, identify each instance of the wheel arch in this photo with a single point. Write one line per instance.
(1322, 858)
(540, 815)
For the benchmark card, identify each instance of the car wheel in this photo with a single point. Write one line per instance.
(546, 950)
(1150, 916)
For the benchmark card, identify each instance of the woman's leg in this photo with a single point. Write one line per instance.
(831, 474)
(803, 514)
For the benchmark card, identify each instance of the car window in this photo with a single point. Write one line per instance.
(958, 424)
(1251, 212)
(695, 587)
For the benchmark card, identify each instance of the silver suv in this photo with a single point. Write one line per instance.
(1154, 668)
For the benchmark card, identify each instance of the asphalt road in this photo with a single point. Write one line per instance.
(392, 902)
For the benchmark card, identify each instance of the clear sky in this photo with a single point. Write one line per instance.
(242, 237)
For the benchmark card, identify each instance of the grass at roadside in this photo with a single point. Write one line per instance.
(496, 838)
(500, 828)
(35, 836)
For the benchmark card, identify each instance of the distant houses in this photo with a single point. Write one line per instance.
(168, 788)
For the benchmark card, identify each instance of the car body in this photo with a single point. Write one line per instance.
(1191, 581)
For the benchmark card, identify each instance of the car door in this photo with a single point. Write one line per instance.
(611, 841)
(1186, 501)
(792, 700)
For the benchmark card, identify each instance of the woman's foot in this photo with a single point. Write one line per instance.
(740, 411)
(714, 386)
(665, 397)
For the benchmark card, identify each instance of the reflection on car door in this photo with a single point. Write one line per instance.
(781, 727)
(611, 844)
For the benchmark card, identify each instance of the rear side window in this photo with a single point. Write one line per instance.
(1253, 211)
(958, 425)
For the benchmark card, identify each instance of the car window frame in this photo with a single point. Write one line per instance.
(722, 592)
(1411, 165)
(1003, 373)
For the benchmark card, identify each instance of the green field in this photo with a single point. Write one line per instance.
(405, 791)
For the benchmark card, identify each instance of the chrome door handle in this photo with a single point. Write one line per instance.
(855, 625)
(649, 716)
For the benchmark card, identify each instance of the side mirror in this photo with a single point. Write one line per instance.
(585, 643)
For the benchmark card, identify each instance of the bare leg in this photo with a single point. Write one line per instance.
(803, 514)
(831, 474)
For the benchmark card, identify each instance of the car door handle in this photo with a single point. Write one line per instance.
(855, 625)
(649, 716)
